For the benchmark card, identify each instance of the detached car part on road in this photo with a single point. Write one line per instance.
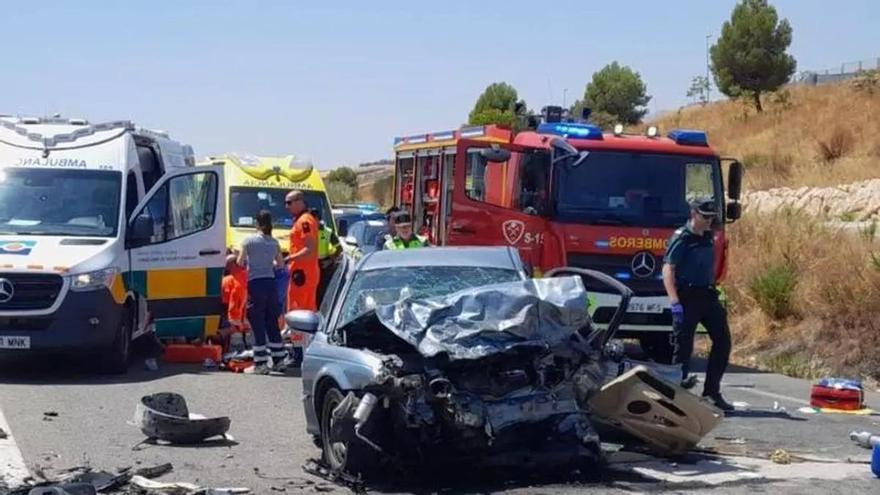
(453, 355)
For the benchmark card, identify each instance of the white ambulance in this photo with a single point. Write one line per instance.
(107, 232)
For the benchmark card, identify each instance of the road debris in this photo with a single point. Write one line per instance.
(181, 488)
(3, 434)
(165, 416)
(83, 480)
(780, 456)
(865, 439)
(320, 469)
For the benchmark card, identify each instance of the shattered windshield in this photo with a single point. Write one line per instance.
(378, 287)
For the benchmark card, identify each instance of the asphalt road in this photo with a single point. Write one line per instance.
(270, 445)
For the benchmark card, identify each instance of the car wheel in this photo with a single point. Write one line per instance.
(658, 346)
(342, 451)
(115, 359)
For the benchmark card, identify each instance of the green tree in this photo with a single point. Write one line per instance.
(616, 94)
(499, 104)
(340, 192)
(750, 56)
(345, 175)
(699, 89)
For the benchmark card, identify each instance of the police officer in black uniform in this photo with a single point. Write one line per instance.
(689, 279)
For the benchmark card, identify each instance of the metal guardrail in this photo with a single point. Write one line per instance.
(844, 71)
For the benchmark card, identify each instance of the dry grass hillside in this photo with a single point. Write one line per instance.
(807, 136)
(804, 295)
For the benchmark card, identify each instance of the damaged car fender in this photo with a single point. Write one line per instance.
(346, 369)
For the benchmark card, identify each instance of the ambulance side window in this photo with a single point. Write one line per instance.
(131, 194)
(184, 205)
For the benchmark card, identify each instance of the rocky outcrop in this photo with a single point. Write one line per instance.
(859, 201)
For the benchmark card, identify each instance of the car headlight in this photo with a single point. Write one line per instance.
(98, 279)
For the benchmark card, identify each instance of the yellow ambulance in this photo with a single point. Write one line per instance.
(255, 183)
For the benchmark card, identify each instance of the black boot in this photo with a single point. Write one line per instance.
(719, 402)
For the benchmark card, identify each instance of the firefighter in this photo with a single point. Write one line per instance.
(304, 270)
(404, 237)
(689, 279)
(329, 250)
(382, 239)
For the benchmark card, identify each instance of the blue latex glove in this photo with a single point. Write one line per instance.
(677, 314)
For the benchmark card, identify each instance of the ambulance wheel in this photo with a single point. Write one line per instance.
(658, 346)
(115, 358)
(342, 451)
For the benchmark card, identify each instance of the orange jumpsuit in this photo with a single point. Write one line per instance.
(235, 297)
(304, 296)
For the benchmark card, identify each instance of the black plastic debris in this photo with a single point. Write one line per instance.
(165, 416)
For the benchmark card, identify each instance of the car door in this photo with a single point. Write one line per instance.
(486, 204)
(176, 240)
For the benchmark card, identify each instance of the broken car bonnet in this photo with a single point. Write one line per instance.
(475, 323)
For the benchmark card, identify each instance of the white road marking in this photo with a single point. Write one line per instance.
(13, 470)
(737, 469)
(775, 396)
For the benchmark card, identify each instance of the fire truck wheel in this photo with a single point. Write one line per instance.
(658, 346)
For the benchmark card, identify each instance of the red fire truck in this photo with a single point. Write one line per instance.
(567, 194)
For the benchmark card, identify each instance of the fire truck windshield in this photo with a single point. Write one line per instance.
(636, 189)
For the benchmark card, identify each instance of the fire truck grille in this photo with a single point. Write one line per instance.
(604, 315)
(29, 291)
(615, 265)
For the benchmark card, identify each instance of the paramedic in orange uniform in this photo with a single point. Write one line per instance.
(304, 271)
(235, 294)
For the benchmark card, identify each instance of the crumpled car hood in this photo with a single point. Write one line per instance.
(479, 322)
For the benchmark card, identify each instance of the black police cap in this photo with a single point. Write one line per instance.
(401, 217)
(705, 206)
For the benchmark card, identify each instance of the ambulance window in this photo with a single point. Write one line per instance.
(185, 205)
(149, 166)
(131, 194)
(157, 210)
(193, 201)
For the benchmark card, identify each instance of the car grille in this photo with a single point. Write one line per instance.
(604, 315)
(611, 264)
(31, 291)
(25, 324)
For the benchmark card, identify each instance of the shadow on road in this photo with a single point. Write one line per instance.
(32, 368)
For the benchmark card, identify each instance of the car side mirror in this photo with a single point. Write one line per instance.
(351, 241)
(140, 231)
(302, 321)
(734, 181)
(734, 211)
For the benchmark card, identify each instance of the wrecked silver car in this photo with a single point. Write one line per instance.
(453, 355)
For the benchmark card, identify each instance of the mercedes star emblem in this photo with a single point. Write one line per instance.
(643, 264)
(7, 290)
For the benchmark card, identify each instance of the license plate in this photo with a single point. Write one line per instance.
(13, 342)
(645, 307)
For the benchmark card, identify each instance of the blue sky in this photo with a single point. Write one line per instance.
(337, 80)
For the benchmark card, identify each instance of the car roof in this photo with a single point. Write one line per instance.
(471, 256)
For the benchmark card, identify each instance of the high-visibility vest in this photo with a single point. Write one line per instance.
(325, 248)
(395, 242)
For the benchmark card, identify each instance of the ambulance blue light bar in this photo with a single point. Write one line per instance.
(688, 137)
(571, 130)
